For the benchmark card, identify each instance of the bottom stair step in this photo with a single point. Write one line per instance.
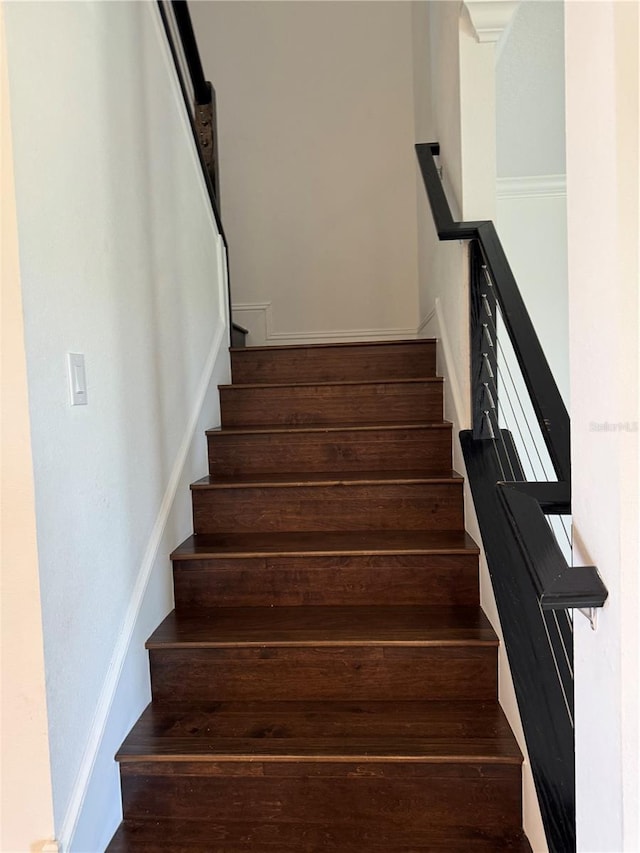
(326, 775)
(187, 836)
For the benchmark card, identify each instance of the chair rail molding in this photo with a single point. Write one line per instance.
(490, 18)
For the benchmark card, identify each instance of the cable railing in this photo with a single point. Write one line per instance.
(517, 456)
(200, 102)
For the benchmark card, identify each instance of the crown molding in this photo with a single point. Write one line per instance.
(490, 18)
(532, 186)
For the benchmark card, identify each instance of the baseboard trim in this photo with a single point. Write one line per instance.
(344, 335)
(263, 334)
(436, 319)
(110, 684)
(426, 321)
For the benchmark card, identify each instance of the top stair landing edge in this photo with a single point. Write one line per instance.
(342, 362)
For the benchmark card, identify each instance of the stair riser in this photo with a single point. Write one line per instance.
(403, 798)
(326, 364)
(427, 450)
(330, 404)
(412, 506)
(324, 672)
(355, 580)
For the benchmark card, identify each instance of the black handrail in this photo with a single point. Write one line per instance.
(557, 586)
(446, 227)
(547, 401)
(205, 114)
(181, 4)
(529, 573)
(201, 87)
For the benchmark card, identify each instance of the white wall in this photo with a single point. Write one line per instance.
(530, 92)
(530, 141)
(317, 167)
(461, 76)
(120, 260)
(532, 223)
(26, 806)
(602, 97)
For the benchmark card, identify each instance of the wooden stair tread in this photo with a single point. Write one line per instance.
(323, 478)
(337, 345)
(347, 542)
(434, 731)
(332, 427)
(188, 836)
(324, 626)
(322, 383)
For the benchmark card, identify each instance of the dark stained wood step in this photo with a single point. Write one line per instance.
(401, 799)
(295, 479)
(392, 401)
(380, 567)
(334, 426)
(324, 626)
(345, 542)
(437, 732)
(328, 502)
(334, 362)
(328, 681)
(318, 653)
(352, 579)
(190, 836)
(311, 449)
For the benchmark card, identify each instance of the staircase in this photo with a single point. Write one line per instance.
(327, 680)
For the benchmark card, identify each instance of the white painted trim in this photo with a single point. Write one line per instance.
(257, 336)
(426, 320)
(446, 351)
(490, 18)
(342, 335)
(532, 186)
(110, 684)
(265, 311)
(252, 306)
(223, 285)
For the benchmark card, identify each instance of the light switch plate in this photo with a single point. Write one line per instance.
(77, 379)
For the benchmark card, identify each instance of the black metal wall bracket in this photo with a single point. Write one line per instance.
(554, 498)
(558, 585)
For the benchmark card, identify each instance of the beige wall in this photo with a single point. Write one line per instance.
(316, 132)
(26, 810)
